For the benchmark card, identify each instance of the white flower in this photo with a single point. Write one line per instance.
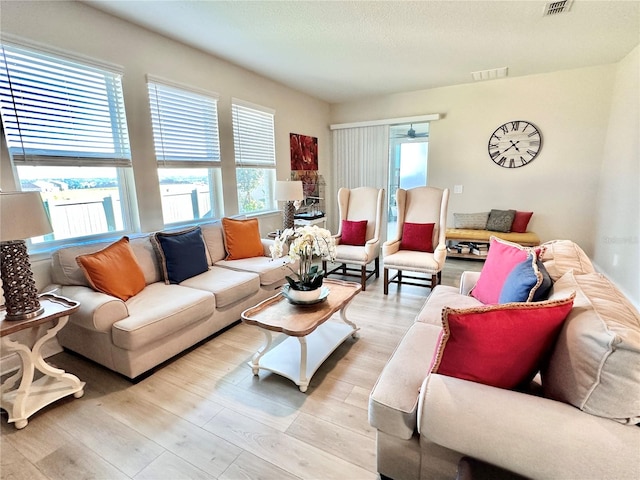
(304, 244)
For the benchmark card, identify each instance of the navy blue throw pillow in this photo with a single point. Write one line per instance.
(183, 254)
(520, 282)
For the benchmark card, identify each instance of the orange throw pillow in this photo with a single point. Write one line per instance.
(113, 270)
(242, 238)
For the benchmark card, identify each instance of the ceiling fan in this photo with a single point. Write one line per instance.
(411, 133)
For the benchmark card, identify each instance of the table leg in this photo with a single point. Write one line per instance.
(304, 382)
(255, 361)
(343, 317)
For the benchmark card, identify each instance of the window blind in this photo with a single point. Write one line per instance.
(56, 112)
(185, 127)
(253, 136)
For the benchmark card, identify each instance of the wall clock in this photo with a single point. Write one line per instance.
(515, 144)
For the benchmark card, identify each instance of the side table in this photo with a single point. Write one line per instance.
(32, 395)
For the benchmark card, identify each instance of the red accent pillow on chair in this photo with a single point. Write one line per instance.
(354, 232)
(417, 236)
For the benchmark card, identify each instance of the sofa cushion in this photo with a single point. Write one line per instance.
(353, 232)
(113, 270)
(500, 220)
(270, 271)
(182, 254)
(417, 237)
(595, 364)
(394, 398)
(442, 296)
(228, 286)
(214, 240)
(501, 345)
(503, 256)
(474, 221)
(158, 311)
(521, 221)
(241, 238)
(560, 256)
(528, 281)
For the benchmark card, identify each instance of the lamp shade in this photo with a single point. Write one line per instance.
(22, 216)
(288, 191)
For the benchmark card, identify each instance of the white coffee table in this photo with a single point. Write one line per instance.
(311, 338)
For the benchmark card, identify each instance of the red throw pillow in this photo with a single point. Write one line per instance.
(503, 345)
(503, 256)
(520, 221)
(353, 232)
(417, 236)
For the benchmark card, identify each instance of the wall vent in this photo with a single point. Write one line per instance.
(554, 8)
(481, 75)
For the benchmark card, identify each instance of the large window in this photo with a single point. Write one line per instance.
(185, 134)
(66, 132)
(254, 145)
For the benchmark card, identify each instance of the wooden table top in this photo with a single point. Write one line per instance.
(54, 306)
(278, 315)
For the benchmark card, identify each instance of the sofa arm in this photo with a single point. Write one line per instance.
(533, 436)
(468, 280)
(394, 398)
(98, 311)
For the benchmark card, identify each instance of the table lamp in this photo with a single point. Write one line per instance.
(289, 191)
(22, 216)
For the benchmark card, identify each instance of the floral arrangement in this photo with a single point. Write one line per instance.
(305, 244)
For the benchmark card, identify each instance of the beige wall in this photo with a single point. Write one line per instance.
(617, 237)
(82, 30)
(584, 183)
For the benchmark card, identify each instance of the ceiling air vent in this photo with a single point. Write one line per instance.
(554, 8)
(489, 74)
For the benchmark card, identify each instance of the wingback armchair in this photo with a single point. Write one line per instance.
(359, 205)
(422, 214)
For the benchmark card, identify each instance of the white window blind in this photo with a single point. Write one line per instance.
(253, 136)
(185, 127)
(57, 112)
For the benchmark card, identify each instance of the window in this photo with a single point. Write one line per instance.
(185, 134)
(66, 132)
(254, 144)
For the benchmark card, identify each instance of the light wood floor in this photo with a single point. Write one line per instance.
(205, 416)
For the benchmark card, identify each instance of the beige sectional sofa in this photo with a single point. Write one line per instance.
(579, 420)
(133, 336)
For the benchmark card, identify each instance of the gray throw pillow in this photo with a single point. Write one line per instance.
(500, 220)
(473, 221)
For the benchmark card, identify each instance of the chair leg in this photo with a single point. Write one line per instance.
(324, 267)
(399, 277)
(363, 277)
(434, 280)
(344, 269)
(439, 277)
(386, 281)
(377, 266)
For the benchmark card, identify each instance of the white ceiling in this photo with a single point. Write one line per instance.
(343, 50)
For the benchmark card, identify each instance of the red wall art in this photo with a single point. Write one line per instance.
(304, 152)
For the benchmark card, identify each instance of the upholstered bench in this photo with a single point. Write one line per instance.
(526, 239)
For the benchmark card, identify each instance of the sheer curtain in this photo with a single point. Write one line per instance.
(360, 159)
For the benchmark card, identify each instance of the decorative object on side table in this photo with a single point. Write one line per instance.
(304, 244)
(22, 216)
(289, 192)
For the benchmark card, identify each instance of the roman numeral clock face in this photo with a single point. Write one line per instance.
(515, 144)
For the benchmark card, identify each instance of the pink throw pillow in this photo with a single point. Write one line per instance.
(503, 256)
(354, 232)
(502, 345)
(417, 237)
(521, 221)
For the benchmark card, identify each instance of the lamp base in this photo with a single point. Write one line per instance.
(20, 293)
(288, 213)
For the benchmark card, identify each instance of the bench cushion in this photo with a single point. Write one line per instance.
(467, 234)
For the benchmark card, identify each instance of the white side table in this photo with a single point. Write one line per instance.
(32, 395)
(321, 222)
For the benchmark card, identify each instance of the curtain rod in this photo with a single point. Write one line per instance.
(387, 121)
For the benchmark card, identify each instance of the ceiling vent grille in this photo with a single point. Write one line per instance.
(492, 74)
(554, 8)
